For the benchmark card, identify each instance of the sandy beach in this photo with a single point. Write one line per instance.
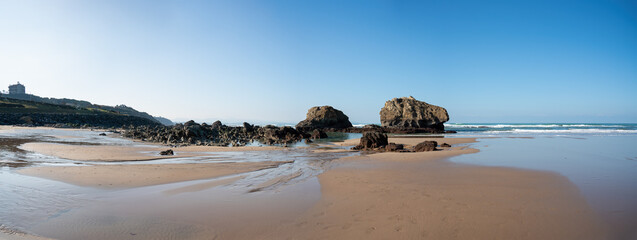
(113, 153)
(128, 176)
(372, 196)
(422, 196)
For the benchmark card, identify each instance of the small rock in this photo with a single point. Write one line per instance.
(426, 146)
(167, 152)
(445, 145)
(102, 134)
(217, 124)
(248, 127)
(393, 147)
(318, 134)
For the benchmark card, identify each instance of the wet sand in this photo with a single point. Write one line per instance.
(128, 176)
(423, 196)
(116, 153)
(374, 196)
(12, 234)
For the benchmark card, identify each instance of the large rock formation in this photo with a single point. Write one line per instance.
(324, 117)
(407, 112)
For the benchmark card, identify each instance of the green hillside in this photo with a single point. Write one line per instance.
(8, 105)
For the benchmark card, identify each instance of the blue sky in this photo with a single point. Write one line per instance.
(269, 61)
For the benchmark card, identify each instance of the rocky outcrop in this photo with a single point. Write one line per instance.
(272, 135)
(425, 146)
(217, 134)
(372, 141)
(324, 117)
(399, 130)
(409, 113)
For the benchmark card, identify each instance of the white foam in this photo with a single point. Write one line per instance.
(453, 125)
(567, 131)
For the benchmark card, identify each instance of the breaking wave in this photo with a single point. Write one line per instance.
(590, 130)
(456, 125)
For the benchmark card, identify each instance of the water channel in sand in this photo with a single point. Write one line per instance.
(175, 210)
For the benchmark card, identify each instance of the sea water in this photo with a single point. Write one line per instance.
(600, 159)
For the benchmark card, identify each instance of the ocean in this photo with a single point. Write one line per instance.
(599, 158)
(543, 129)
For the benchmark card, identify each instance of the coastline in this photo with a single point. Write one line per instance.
(372, 196)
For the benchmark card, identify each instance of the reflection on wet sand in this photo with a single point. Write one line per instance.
(274, 193)
(118, 199)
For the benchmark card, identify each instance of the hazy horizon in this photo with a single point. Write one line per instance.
(270, 61)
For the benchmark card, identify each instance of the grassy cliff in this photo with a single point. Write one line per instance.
(16, 112)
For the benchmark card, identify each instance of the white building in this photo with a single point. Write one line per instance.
(17, 89)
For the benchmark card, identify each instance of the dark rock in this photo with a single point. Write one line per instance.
(318, 134)
(216, 134)
(408, 112)
(216, 125)
(324, 117)
(247, 127)
(190, 123)
(102, 134)
(426, 146)
(372, 126)
(376, 128)
(445, 145)
(393, 147)
(372, 140)
(271, 134)
(450, 131)
(167, 152)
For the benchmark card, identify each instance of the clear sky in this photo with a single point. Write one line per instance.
(267, 60)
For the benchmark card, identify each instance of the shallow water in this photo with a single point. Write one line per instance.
(190, 209)
(604, 168)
